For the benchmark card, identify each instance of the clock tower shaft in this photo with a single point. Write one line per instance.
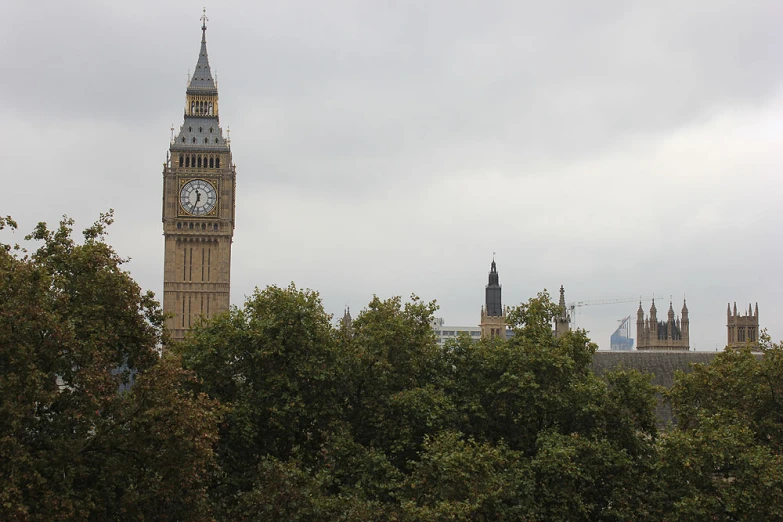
(199, 194)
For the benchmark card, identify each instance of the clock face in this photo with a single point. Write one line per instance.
(198, 197)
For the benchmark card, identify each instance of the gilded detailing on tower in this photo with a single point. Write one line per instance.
(672, 334)
(198, 207)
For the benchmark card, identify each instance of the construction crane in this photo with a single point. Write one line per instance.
(578, 304)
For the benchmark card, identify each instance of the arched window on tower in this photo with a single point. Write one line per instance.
(181, 160)
(211, 162)
(217, 162)
(193, 160)
(192, 108)
(210, 109)
(206, 140)
(194, 139)
(199, 162)
(187, 161)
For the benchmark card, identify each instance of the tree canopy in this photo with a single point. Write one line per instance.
(272, 411)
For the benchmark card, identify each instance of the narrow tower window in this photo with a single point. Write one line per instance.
(199, 161)
(217, 162)
(181, 159)
(187, 161)
(211, 162)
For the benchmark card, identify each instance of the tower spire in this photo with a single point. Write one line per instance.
(493, 300)
(201, 81)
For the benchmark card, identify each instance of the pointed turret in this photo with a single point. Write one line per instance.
(563, 319)
(201, 82)
(493, 317)
(201, 128)
(347, 322)
(728, 311)
(492, 294)
(757, 311)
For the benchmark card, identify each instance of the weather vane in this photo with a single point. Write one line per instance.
(204, 19)
(172, 133)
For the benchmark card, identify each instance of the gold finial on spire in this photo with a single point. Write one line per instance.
(204, 19)
(172, 133)
(228, 135)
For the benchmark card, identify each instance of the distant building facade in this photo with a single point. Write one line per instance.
(621, 338)
(445, 332)
(493, 315)
(742, 329)
(672, 334)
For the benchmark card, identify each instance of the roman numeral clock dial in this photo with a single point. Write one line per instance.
(198, 197)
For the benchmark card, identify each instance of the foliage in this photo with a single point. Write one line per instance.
(273, 366)
(724, 462)
(271, 412)
(72, 446)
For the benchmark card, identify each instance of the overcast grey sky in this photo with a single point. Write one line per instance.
(620, 148)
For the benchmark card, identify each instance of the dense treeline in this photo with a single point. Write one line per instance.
(271, 412)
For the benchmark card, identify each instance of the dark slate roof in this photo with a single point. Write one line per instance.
(198, 127)
(202, 81)
(661, 365)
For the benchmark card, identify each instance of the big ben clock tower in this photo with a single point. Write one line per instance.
(198, 207)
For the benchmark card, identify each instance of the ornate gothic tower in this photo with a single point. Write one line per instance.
(672, 334)
(493, 316)
(198, 207)
(742, 329)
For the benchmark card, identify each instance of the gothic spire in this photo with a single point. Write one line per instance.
(492, 295)
(201, 81)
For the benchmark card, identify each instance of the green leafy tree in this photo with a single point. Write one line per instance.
(463, 479)
(723, 459)
(717, 470)
(72, 446)
(393, 378)
(272, 364)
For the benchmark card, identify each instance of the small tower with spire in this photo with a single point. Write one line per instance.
(563, 318)
(742, 329)
(493, 315)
